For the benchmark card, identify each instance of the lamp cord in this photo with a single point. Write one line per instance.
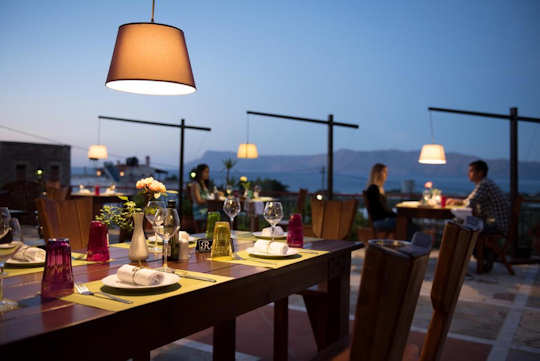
(431, 126)
(99, 132)
(247, 129)
(153, 6)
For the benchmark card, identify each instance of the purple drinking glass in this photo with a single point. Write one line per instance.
(295, 231)
(98, 246)
(58, 275)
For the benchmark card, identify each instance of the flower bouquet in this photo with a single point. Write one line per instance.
(431, 196)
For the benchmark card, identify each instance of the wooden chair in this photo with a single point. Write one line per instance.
(456, 248)
(491, 241)
(66, 219)
(389, 290)
(332, 219)
(57, 194)
(376, 233)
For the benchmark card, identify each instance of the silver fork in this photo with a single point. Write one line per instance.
(83, 290)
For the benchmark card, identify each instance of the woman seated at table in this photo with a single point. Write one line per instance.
(384, 219)
(199, 194)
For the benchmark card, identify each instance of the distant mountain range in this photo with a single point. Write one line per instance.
(400, 163)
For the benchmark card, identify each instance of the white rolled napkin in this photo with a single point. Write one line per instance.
(271, 248)
(183, 236)
(267, 232)
(30, 254)
(139, 276)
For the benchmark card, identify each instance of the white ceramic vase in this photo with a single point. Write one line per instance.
(138, 251)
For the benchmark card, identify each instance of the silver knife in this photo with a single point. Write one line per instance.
(199, 278)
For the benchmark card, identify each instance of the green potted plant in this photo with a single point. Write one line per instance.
(121, 217)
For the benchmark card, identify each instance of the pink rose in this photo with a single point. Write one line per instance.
(428, 184)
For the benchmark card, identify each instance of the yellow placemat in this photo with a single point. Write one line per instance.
(127, 244)
(249, 260)
(186, 285)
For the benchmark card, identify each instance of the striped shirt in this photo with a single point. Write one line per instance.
(489, 203)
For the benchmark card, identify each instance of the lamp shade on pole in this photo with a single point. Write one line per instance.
(432, 154)
(96, 152)
(150, 58)
(247, 151)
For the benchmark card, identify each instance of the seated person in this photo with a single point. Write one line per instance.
(383, 217)
(487, 202)
(200, 194)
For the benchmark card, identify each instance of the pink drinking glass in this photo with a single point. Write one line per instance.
(58, 275)
(98, 246)
(295, 231)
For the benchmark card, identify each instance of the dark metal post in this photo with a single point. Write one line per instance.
(513, 154)
(330, 156)
(181, 170)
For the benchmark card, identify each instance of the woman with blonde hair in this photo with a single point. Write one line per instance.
(384, 219)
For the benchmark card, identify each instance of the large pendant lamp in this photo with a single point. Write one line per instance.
(98, 151)
(432, 153)
(150, 58)
(247, 150)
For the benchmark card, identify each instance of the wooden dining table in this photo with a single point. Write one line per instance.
(408, 210)
(62, 330)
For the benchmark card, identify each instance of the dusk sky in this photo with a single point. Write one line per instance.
(379, 64)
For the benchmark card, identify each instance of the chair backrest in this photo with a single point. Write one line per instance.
(332, 219)
(370, 220)
(57, 194)
(389, 290)
(66, 219)
(455, 252)
(301, 201)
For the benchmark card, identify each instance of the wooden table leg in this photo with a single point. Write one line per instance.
(401, 227)
(224, 341)
(338, 298)
(281, 329)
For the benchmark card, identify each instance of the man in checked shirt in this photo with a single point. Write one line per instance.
(487, 202)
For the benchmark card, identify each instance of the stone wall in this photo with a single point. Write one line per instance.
(24, 159)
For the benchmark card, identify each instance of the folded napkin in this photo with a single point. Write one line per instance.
(271, 248)
(183, 236)
(461, 213)
(30, 254)
(267, 232)
(139, 276)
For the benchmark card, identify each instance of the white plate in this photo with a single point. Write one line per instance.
(8, 245)
(260, 235)
(290, 252)
(114, 282)
(16, 262)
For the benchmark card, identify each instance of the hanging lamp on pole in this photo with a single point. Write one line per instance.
(432, 153)
(150, 58)
(247, 150)
(98, 151)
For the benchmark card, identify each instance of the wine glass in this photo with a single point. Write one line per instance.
(273, 213)
(228, 189)
(150, 212)
(167, 224)
(6, 250)
(231, 207)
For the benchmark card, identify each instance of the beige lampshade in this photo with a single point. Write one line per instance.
(96, 152)
(432, 154)
(152, 59)
(248, 151)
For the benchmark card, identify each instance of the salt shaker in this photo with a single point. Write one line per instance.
(183, 250)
